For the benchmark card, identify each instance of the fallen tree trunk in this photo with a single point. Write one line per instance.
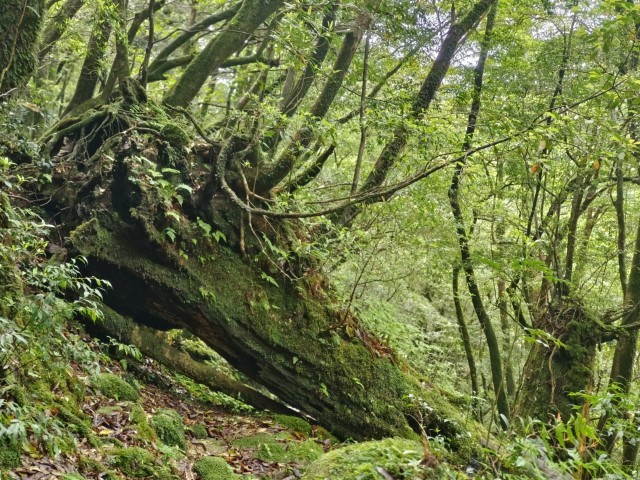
(276, 336)
(154, 346)
(126, 204)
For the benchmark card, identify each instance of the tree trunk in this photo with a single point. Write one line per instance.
(20, 24)
(230, 40)
(90, 71)
(154, 346)
(280, 338)
(57, 25)
(553, 371)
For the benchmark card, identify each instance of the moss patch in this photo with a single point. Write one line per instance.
(199, 431)
(169, 427)
(399, 457)
(294, 423)
(306, 451)
(134, 462)
(254, 441)
(113, 386)
(9, 454)
(138, 417)
(214, 468)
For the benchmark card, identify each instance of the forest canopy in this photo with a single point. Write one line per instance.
(401, 218)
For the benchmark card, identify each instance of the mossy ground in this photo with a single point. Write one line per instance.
(169, 427)
(389, 458)
(214, 468)
(114, 387)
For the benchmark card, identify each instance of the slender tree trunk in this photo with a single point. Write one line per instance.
(57, 25)
(464, 332)
(394, 148)
(463, 239)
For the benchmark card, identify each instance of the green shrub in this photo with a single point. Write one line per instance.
(169, 428)
(113, 386)
(214, 468)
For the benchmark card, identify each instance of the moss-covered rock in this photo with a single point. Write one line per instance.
(214, 468)
(302, 452)
(199, 431)
(169, 428)
(9, 454)
(294, 423)
(134, 462)
(113, 386)
(362, 461)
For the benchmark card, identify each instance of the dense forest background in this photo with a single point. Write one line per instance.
(412, 220)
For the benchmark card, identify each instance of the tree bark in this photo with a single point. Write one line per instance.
(154, 346)
(96, 50)
(20, 24)
(230, 39)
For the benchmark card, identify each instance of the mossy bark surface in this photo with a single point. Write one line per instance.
(554, 371)
(20, 23)
(273, 335)
(153, 345)
(293, 338)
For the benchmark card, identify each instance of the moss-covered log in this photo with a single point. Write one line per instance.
(277, 336)
(154, 346)
(168, 271)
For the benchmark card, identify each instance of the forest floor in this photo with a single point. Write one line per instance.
(167, 432)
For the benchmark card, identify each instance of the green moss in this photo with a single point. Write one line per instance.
(113, 386)
(134, 462)
(77, 422)
(138, 417)
(306, 451)
(169, 427)
(175, 135)
(20, 24)
(399, 457)
(9, 454)
(199, 431)
(296, 424)
(214, 468)
(73, 476)
(90, 466)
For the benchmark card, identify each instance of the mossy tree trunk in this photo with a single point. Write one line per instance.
(277, 336)
(20, 24)
(554, 371)
(153, 345)
(96, 49)
(230, 39)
